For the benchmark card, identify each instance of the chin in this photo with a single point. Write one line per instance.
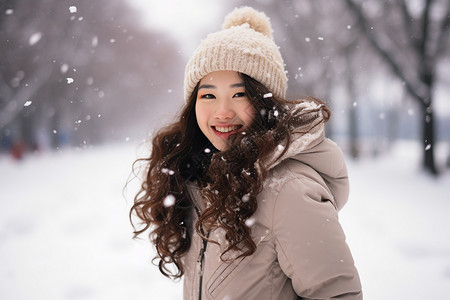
(220, 146)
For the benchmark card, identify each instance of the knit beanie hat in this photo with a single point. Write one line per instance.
(245, 44)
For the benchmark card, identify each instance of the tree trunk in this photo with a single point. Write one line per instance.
(425, 71)
(352, 104)
(428, 141)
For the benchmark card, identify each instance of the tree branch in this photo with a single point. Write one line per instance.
(5, 90)
(443, 33)
(413, 91)
(409, 24)
(16, 104)
(423, 53)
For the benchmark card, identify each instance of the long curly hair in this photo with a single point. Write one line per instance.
(229, 180)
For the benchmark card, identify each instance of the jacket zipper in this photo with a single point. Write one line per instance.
(201, 255)
(201, 258)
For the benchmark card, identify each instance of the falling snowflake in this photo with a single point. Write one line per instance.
(73, 9)
(167, 171)
(69, 80)
(94, 41)
(207, 150)
(64, 68)
(169, 200)
(428, 147)
(34, 38)
(250, 222)
(28, 103)
(245, 198)
(268, 95)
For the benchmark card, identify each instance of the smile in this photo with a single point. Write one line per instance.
(226, 129)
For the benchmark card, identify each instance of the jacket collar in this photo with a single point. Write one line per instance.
(301, 141)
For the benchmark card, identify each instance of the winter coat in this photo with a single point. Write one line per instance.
(301, 248)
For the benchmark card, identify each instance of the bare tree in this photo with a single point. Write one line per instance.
(412, 41)
(321, 52)
(83, 71)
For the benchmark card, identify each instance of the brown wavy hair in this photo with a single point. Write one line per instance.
(229, 180)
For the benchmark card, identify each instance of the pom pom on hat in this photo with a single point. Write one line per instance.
(258, 21)
(244, 45)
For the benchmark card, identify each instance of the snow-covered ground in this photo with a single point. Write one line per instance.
(65, 234)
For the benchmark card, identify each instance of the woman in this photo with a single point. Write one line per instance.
(241, 193)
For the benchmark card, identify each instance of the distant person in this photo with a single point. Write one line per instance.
(17, 150)
(241, 194)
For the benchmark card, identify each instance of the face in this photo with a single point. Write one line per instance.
(222, 107)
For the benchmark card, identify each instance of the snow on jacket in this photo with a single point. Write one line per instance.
(301, 248)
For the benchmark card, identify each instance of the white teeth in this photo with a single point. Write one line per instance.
(226, 128)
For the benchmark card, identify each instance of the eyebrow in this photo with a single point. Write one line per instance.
(210, 86)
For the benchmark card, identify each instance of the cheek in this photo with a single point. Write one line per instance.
(248, 114)
(201, 114)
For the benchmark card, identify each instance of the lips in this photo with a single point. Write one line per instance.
(227, 129)
(224, 131)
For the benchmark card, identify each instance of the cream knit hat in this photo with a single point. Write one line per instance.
(245, 45)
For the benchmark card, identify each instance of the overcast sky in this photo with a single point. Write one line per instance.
(188, 21)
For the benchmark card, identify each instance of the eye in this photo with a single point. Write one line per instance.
(239, 95)
(207, 96)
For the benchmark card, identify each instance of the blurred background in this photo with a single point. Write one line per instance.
(84, 84)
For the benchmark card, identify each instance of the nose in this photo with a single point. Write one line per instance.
(224, 110)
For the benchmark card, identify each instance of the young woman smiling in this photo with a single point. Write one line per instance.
(222, 107)
(241, 195)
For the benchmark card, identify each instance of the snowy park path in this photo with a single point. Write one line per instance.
(65, 234)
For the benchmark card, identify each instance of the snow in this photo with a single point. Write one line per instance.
(64, 229)
(396, 223)
(65, 234)
(169, 200)
(35, 38)
(250, 222)
(73, 9)
(64, 68)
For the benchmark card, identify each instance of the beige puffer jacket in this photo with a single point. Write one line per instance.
(301, 247)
